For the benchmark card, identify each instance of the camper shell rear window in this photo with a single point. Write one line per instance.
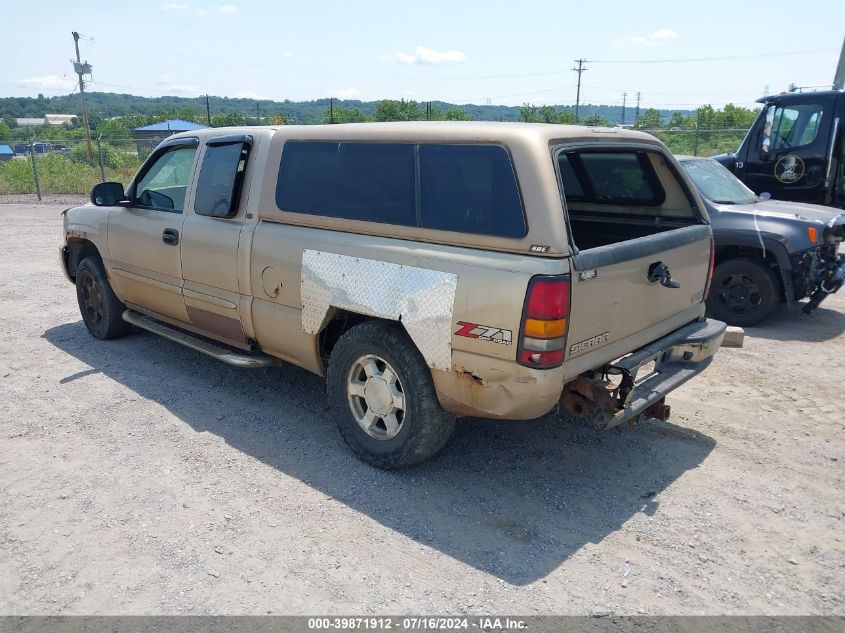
(610, 177)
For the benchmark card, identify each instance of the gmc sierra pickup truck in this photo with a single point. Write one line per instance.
(427, 270)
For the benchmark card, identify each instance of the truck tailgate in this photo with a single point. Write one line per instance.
(616, 308)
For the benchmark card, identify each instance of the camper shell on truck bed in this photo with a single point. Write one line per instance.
(428, 270)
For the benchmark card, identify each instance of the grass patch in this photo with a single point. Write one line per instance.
(63, 173)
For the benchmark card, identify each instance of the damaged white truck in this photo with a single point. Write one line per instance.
(427, 270)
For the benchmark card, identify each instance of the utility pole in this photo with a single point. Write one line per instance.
(81, 69)
(35, 168)
(695, 142)
(331, 110)
(637, 113)
(579, 70)
(257, 114)
(207, 110)
(624, 101)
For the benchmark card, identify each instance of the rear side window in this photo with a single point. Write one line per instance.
(469, 189)
(463, 188)
(617, 178)
(571, 186)
(356, 181)
(220, 180)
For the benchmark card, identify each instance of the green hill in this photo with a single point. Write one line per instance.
(105, 105)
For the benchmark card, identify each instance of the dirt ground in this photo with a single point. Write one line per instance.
(139, 477)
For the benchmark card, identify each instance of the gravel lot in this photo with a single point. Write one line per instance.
(139, 477)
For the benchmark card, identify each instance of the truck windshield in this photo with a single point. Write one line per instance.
(716, 183)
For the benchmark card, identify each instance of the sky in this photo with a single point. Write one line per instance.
(504, 53)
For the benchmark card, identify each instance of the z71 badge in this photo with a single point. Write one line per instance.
(485, 333)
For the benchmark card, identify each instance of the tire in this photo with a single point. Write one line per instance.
(743, 291)
(374, 368)
(101, 310)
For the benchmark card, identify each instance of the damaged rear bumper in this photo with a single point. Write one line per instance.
(676, 358)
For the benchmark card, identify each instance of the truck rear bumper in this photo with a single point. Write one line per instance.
(677, 357)
(493, 388)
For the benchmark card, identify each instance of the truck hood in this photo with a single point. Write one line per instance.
(787, 210)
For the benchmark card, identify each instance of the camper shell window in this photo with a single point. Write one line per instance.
(465, 188)
(621, 194)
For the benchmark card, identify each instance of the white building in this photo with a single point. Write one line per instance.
(59, 119)
(49, 119)
(29, 122)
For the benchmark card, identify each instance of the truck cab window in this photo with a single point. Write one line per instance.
(164, 184)
(791, 126)
(220, 180)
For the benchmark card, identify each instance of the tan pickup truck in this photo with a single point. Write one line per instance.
(427, 270)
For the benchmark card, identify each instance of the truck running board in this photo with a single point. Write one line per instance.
(217, 350)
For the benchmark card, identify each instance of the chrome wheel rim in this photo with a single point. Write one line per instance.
(376, 397)
(92, 301)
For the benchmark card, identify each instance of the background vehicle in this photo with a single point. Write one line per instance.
(795, 149)
(427, 270)
(767, 251)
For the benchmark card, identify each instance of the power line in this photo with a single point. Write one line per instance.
(67, 100)
(710, 59)
(623, 61)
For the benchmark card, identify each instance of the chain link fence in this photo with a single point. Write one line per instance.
(48, 166)
(44, 166)
(700, 142)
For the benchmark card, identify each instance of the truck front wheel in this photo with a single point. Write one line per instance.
(383, 396)
(101, 310)
(743, 291)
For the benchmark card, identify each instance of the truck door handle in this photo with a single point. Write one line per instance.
(170, 237)
(659, 271)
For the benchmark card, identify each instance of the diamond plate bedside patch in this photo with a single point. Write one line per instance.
(420, 298)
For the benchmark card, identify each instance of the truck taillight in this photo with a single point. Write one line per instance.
(542, 339)
(710, 270)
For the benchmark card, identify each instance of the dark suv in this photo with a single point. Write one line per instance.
(767, 251)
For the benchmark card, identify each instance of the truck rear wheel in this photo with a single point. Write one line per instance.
(383, 396)
(743, 291)
(101, 310)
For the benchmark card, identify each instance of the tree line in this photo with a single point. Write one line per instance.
(702, 131)
(103, 106)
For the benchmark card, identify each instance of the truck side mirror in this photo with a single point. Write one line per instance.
(765, 196)
(107, 194)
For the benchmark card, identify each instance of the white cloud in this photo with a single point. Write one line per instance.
(221, 9)
(174, 6)
(423, 55)
(47, 83)
(347, 93)
(661, 36)
(287, 55)
(169, 87)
